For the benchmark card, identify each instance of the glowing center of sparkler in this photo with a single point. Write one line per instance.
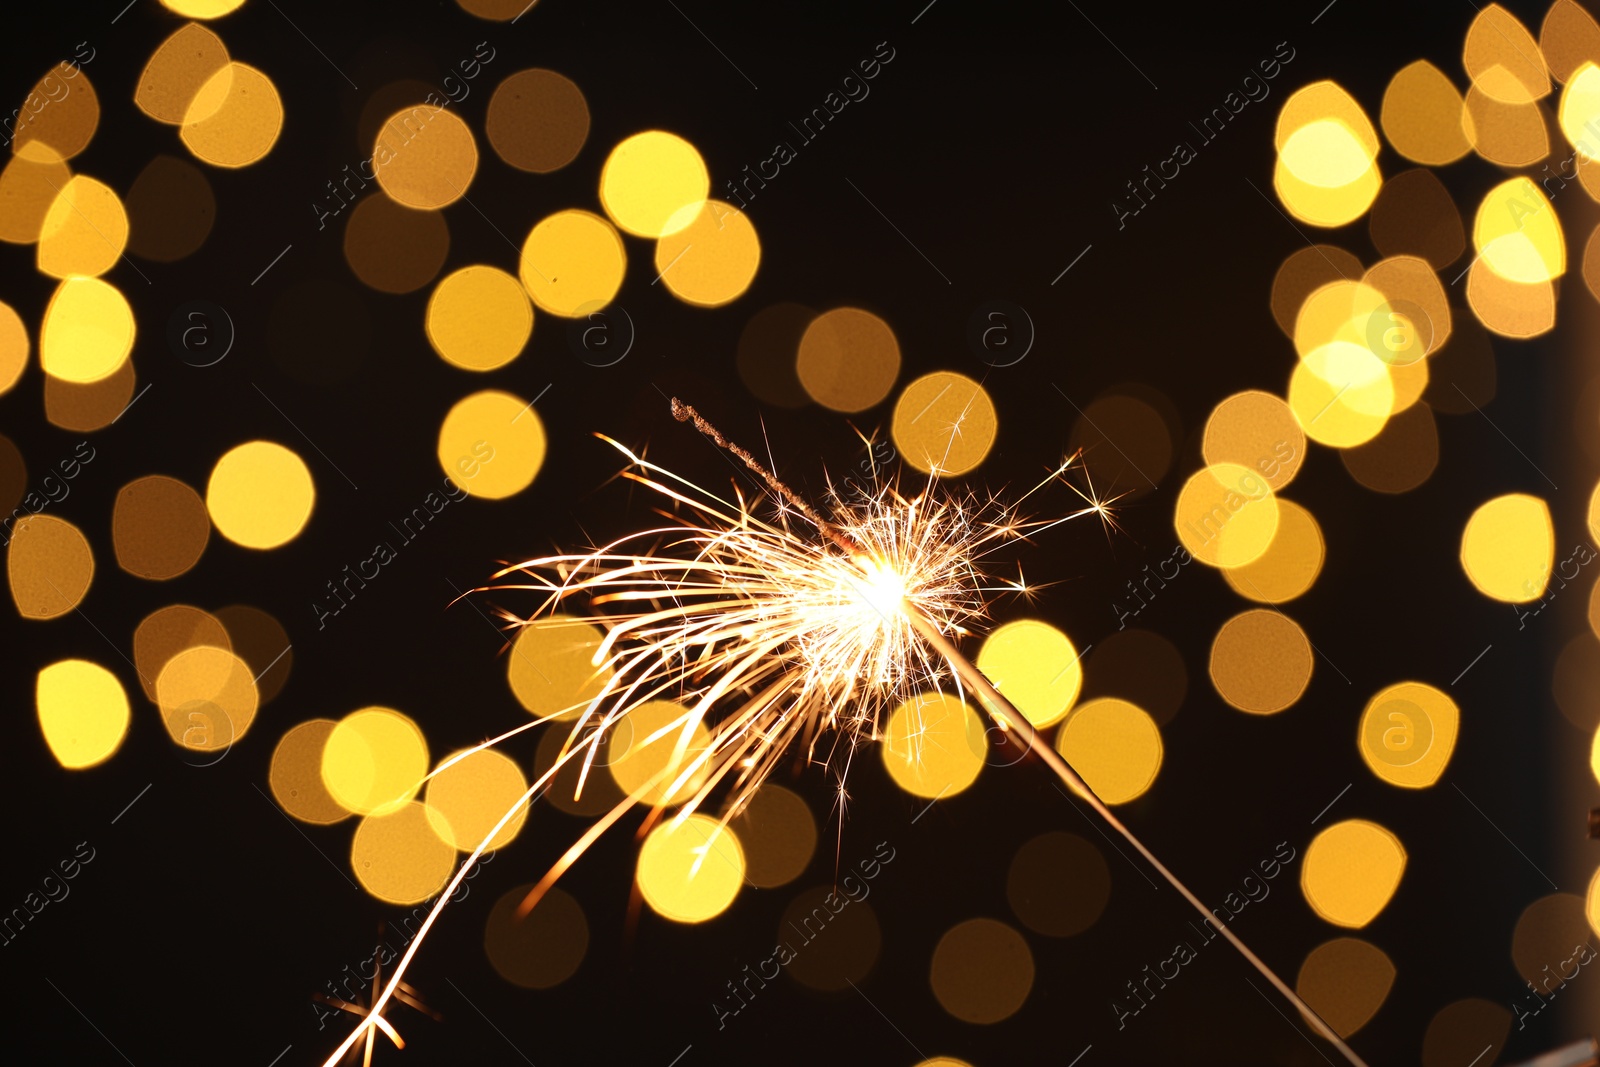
(884, 588)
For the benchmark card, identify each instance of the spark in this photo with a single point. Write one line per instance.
(797, 632)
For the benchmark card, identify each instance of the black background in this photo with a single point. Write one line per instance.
(995, 140)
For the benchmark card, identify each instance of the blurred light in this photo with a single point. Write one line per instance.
(492, 444)
(1351, 871)
(1464, 1029)
(537, 120)
(1414, 216)
(168, 631)
(1401, 457)
(1256, 430)
(397, 858)
(1345, 981)
(1508, 308)
(1290, 564)
(208, 698)
(1508, 547)
(1517, 234)
(88, 331)
(1502, 58)
(1423, 116)
(467, 797)
(1591, 904)
(845, 953)
(1125, 441)
(944, 424)
(1035, 666)
(14, 348)
(373, 762)
(27, 189)
(1510, 135)
(848, 359)
(1568, 38)
(1326, 153)
(542, 949)
(1547, 936)
(1304, 272)
(1342, 394)
(1226, 515)
(159, 527)
(49, 565)
(170, 210)
(260, 495)
(91, 407)
(1339, 311)
(83, 712)
(1143, 668)
(1580, 108)
(600, 792)
(1058, 884)
(260, 640)
(712, 259)
(690, 871)
(982, 971)
(84, 231)
(768, 347)
(202, 9)
(234, 119)
(934, 745)
(779, 836)
(1407, 734)
(425, 157)
(1322, 206)
(64, 128)
(551, 668)
(647, 181)
(479, 318)
(1414, 319)
(177, 70)
(572, 263)
(635, 755)
(396, 249)
(295, 776)
(1261, 661)
(1114, 746)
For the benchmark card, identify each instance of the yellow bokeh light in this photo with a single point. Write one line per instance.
(1227, 515)
(690, 871)
(1034, 666)
(934, 745)
(1568, 38)
(397, 857)
(1510, 308)
(1257, 430)
(49, 566)
(1517, 234)
(202, 9)
(551, 666)
(208, 698)
(1414, 319)
(649, 180)
(572, 263)
(1591, 908)
(1114, 745)
(848, 359)
(1290, 564)
(779, 836)
(492, 444)
(1338, 311)
(64, 128)
(1342, 394)
(83, 712)
(27, 189)
(479, 318)
(1503, 59)
(1351, 871)
(177, 70)
(944, 423)
(1407, 734)
(168, 631)
(87, 331)
(1345, 981)
(1579, 114)
(712, 259)
(260, 495)
(1322, 206)
(538, 120)
(1508, 547)
(425, 157)
(235, 117)
(643, 755)
(1324, 100)
(159, 527)
(14, 347)
(373, 761)
(1326, 153)
(470, 795)
(1423, 114)
(84, 232)
(1261, 661)
(295, 775)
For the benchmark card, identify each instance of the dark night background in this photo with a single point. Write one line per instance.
(996, 141)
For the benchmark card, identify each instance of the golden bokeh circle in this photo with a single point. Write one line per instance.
(1114, 745)
(1035, 666)
(1261, 661)
(83, 712)
(260, 495)
(492, 444)
(982, 971)
(649, 180)
(934, 745)
(944, 423)
(848, 359)
(690, 871)
(572, 263)
(479, 318)
(425, 157)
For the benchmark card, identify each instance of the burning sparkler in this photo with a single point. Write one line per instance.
(802, 630)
